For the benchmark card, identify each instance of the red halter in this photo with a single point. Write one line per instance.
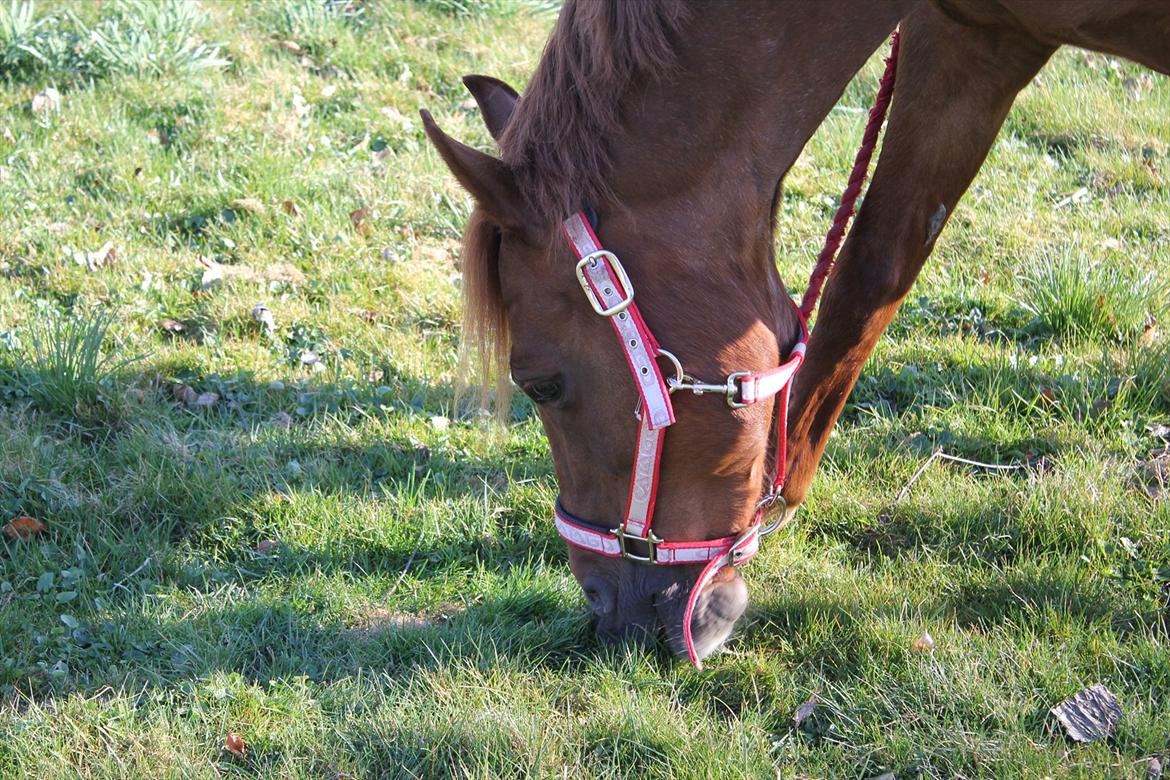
(611, 295)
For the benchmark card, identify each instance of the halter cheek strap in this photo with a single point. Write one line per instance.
(611, 294)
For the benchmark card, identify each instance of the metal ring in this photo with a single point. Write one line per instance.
(773, 504)
(679, 375)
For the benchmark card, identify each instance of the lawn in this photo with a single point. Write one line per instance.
(229, 307)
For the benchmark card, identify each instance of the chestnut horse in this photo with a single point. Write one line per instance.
(673, 124)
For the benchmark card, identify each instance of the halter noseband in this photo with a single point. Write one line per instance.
(611, 295)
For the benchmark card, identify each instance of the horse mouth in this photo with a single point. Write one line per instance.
(660, 617)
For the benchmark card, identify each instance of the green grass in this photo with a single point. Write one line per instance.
(275, 531)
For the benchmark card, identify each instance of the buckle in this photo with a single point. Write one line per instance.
(650, 540)
(734, 390)
(598, 305)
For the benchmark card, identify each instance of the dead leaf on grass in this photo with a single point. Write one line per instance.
(234, 744)
(290, 207)
(206, 400)
(184, 394)
(48, 99)
(805, 710)
(24, 528)
(262, 314)
(1089, 715)
(1155, 473)
(357, 218)
(923, 644)
(250, 205)
(291, 46)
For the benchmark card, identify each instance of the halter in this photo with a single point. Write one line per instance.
(610, 293)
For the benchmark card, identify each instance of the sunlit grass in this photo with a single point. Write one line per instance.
(284, 530)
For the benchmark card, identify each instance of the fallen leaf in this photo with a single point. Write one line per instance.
(267, 546)
(1090, 715)
(103, 257)
(235, 745)
(358, 218)
(923, 644)
(24, 527)
(261, 314)
(1156, 472)
(290, 208)
(1149, 334)
(48, 99)
(212, 273)
(250, 205)
(185, 394)
(1048, 394)
(293, 46)
(206, 400)
(805, 710)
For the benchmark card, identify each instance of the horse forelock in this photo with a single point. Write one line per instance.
(485, 326)
(556, 138)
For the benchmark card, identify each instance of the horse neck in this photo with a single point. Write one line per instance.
(712, 139)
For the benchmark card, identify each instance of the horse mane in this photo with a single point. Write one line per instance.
(555, 145)
(555, 139)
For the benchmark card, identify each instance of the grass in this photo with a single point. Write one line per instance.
(286, 533)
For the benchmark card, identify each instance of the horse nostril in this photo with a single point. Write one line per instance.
(601, 596)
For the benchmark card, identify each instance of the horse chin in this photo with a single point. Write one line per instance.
(719, 608)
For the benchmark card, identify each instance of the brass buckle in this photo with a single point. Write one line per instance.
(734, 390)
(591, 260)
(650, 540)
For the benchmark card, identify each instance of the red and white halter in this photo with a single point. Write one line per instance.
(609, 291)
(611, 294)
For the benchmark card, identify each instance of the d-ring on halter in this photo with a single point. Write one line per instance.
(611, 294)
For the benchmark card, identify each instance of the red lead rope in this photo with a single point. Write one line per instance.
(877, 115)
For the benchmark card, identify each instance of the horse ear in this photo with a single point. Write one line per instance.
(496, 101)
(488, 179)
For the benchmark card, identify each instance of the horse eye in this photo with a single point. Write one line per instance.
(544, 391)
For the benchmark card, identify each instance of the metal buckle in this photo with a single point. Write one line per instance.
(734, 390)
(598, 306)
(651, 541)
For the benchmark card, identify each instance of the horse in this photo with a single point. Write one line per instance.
(659, 132)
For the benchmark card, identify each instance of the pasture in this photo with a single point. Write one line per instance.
(229, 331)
